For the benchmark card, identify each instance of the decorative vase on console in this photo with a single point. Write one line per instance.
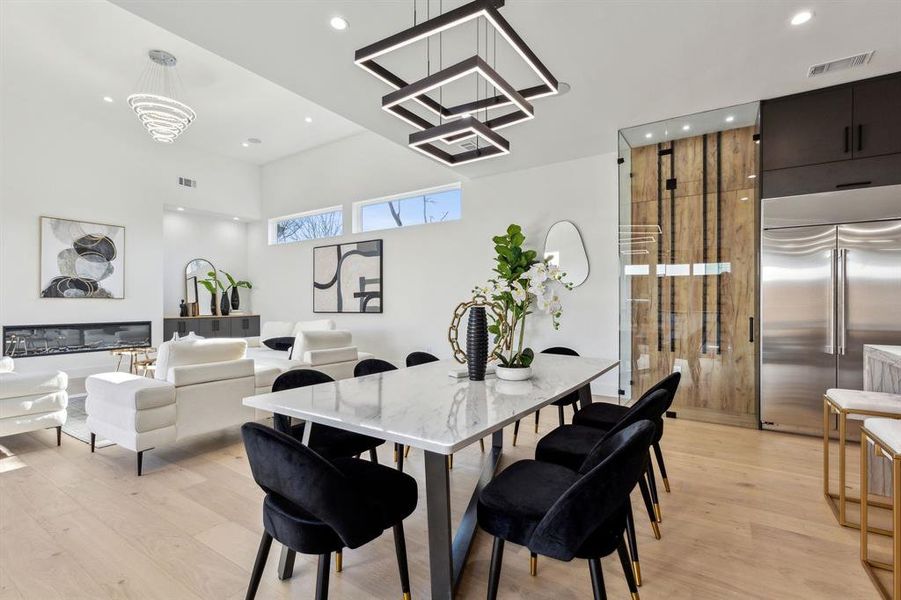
(213, 310)
(224, 304)
(522, 283)
(477, 343)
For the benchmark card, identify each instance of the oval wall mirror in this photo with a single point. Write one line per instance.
(195, 293)
(564, 247)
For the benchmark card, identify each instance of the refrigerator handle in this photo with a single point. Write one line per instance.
(833, 260)
(842, 299)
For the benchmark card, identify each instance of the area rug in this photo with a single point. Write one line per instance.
(77, 423)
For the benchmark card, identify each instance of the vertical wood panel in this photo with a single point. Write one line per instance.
(719, 380)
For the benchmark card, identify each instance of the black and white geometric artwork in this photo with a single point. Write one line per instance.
(347, 278)
(81, 259)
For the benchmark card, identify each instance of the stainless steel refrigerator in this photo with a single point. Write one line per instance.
(830, 283)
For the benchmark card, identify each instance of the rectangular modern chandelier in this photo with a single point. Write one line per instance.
(462, 122)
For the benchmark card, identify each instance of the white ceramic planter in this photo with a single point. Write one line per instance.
(517, 374)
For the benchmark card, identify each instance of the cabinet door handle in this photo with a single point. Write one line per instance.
(847, 139)
(750, 329)
(859, 138)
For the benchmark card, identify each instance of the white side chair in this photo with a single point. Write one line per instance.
(855, 405)
(32, 401)
(885, 435)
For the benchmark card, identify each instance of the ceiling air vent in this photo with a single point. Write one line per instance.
(468, 145)
(191, 183)
(840, 63)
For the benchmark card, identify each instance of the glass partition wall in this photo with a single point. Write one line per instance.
(689, 231)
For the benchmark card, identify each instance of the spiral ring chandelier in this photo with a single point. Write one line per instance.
(164, 117)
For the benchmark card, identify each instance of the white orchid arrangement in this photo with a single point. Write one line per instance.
(523, 282)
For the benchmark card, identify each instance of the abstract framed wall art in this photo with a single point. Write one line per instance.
(347, 278)
(80, 259)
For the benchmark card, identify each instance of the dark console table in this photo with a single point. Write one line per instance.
(212, 326)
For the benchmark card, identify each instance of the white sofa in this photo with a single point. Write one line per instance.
(199, 387)
(32, 401)
(200, 384)
(317, 345)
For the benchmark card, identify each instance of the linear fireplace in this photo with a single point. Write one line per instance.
(24, 341)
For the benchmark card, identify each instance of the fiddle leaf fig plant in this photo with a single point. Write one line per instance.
(235, 284)
(522, 281)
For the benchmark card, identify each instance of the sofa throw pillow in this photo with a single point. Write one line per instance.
(279, 343)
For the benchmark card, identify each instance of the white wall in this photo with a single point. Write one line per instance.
(429, 269)
(56, 163)
(187, 236)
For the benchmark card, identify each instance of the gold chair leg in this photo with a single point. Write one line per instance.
(656, 529)
(636, 569)
(396, 458)
(533, 564)
(406, 451)
(864, 494)
(339, 561)
(450, 461)
(896, 522)
(666, 485)
(826, 412)
(482, 444)
(842, 423)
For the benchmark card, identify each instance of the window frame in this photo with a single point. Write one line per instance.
(357, 214)
(272, 228)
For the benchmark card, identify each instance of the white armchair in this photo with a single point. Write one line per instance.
(199, 387)
(317, 345)
(32, 401)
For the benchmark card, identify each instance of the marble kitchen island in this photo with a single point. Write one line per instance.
(881, 373)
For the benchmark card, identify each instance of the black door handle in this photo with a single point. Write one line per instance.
(859, 138)
(750, 329)
(847, 139)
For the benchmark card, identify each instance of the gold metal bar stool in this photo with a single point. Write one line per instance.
(855, 405)
(885, 434)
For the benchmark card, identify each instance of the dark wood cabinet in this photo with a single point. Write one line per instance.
(876, 126)
(807, 129)
(212, 326)
(835, 138)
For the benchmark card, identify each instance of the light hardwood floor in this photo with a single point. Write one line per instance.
(745, 519)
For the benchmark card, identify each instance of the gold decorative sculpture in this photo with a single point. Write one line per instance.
(502, 340)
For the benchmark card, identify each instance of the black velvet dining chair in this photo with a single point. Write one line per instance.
(329, 442)
(414, 359)
(319, 506)
(571, 399)
(569, 445)
(371, 366)
(604, 415)
(563, 513)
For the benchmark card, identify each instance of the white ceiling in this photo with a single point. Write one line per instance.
(79, 51)
(628, 62)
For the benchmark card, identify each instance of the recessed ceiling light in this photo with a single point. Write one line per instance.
(752, 176)
(801, 17)
(245, 144)
(338, 23)
(107, 98)
(309, 119)
(649, 135)
(180, 208)
(236, 218)
(686, 127)
(730, 118)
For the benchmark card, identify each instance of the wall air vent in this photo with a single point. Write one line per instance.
(840, 64)
(191, 183)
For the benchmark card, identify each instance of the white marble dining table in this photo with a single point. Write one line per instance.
(423, 407)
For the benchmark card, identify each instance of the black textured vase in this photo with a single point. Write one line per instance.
(224, 305)
(213, 304)
(477, 343)
(236, 299)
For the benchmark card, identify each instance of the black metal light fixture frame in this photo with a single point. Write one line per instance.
(418, 91)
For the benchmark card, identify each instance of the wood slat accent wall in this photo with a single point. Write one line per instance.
(681, 318)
